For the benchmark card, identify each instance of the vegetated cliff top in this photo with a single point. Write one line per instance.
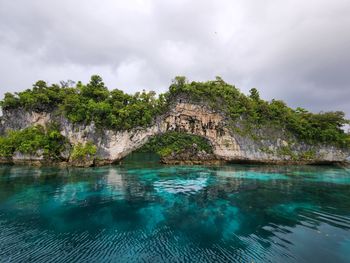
(117, 110)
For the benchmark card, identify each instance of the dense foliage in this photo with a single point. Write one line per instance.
(31, 140)
(174, 142)
(324, 127)
(83, 151)
(40, 98)
(92, 102)
(120, 111)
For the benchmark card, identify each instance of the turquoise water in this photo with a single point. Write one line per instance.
(145, 212)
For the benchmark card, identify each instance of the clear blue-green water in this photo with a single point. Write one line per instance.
(145, 212)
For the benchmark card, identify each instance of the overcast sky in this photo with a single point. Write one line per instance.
(295, 50)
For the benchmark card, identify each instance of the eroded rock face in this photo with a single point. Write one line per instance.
(199, 120)
(184, 117)
(268, 145)
(19, 119)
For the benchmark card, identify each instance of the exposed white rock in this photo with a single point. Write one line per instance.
(185, 117)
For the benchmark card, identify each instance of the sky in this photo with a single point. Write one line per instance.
(294, 50)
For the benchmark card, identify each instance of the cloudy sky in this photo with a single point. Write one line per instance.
(294, 50)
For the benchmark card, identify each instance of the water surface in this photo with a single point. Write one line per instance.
(145, 212)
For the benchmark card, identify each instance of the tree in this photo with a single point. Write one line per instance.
(40, 84)
(95, 89)
(67, 84)
(179, 81)
(10, 101)
(254, 94)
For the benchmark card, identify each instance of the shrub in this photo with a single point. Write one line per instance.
(83, 151)
(32, 139)
(170, 142)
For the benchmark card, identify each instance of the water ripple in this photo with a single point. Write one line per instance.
(175, 214)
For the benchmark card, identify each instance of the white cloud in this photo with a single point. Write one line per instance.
(293, 50)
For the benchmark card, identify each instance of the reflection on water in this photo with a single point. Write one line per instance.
(154, 213)
(180, 185)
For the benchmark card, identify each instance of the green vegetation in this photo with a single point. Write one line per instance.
(308, 155)
(313, 128)
(287, 151)
(120, 111)
(40, 98)
(83, 151)
(33, 139)
(92, 102)
(170, 142)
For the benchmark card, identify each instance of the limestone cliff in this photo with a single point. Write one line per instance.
(229, 140)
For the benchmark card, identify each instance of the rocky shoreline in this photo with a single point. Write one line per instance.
(170, 160)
